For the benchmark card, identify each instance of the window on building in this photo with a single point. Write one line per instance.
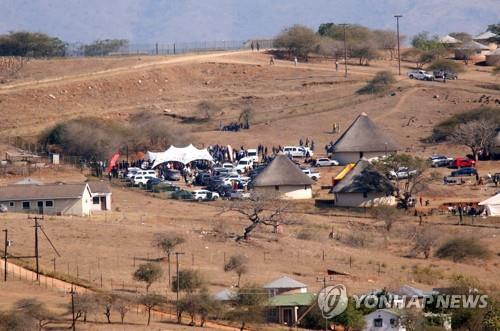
(26, 205)
(277, 188)
(49, 204)
(365, 195)
(12, 204)
(39, 204)
(95, 200)
(378, 322)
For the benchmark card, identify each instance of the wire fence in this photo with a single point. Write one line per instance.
(77, 49)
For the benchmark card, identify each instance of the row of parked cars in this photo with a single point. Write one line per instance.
(452, 163)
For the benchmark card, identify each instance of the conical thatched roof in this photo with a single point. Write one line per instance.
(363, 135)
(485, 36)
(449, 40)
(364, 178)
(473, 45)
(281, 172)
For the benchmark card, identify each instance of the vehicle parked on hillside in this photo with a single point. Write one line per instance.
(420, 75)
(444, 73)
(239, 195)
(462, 162)
(252, 154)
(131, 172)
(140, 180)
(311, 173)
(182, 195)
(464, 172)
(228, 165)
(3, 208)
(244, 164)
(402, 173)
(325, 162)
(440, 161)
(153, 182)
(173, 174)
(297, 151)
(205, 195)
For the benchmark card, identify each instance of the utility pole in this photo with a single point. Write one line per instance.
(36, 226)
(345, 49)
(178, 283)
(399, 49)
(323, 280)
(5, 255)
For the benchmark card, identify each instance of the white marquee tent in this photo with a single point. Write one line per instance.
(492, 205)
(183, 155)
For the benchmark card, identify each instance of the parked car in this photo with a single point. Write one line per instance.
(173, 174)
(3, 208)
(252, 154)
(182, 195)
(239, 194)
(297, 151)
(228, 165)
(140, 180)
(463, 172)
(326, 162)
(462, 162)
(314, 175)
(243, 164)
(440, 161)
(205, 195)
(153, 182)
(421, 75)
(402, 173)
(131, 172)
(448, 74)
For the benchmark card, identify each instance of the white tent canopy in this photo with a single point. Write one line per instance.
(492, 205)
(183, 155)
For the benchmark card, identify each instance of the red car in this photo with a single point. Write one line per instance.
(462, 162)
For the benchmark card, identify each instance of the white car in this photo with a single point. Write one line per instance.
(131, 172)
(440, 161)
(297, 151)
(228, 165)
(244, 164)
(239, 194)
(141, 180)
(252, 154)
(421, 75)
(402, 173)
(205, 195)
(314, 175)
(3, 208)
(326, 162)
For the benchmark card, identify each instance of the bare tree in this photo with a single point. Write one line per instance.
(107, 301)
(122, 307)
(388, 214)
(238, 264)
(206, 109)
(36, 310)
(261, 209)
(167, 242)
(477, 135)
(245, 117)
(85, 304)
(424, 239)
(150, 301)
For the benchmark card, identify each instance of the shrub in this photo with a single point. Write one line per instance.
(307, 234)
(459, 249)
(426, 275)
(446, 65)
(357, 239)
(382, 82)
(445, 128)
(298, 40)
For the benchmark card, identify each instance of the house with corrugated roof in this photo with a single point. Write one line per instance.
(101, 195)
(284, 178)
(364, 186)
(53, 199)
(285, 284)
(363, 139)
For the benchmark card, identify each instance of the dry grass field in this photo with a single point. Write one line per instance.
(289, 103)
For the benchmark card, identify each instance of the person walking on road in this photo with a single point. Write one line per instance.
(295, 61)
(271, 60)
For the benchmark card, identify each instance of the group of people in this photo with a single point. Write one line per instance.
(307, 143)
(255, 46)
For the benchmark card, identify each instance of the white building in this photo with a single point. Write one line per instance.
(362, 139)
(364, 186)
(383, 320)
(283, 177)
(285, 284)
(54, 199)
(101, 196)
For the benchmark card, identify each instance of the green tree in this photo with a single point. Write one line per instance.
(148, 273)
(298, 40)
(238, 264)
(424, 42)
(166, 242)
(31, 44)
(495, 28)
(350, 319)
(189, 281)
(248, 306)
(104, 47)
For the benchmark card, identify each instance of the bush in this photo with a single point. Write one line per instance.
(357, 239)
(298, 40)
(307, 234)
(445, 128)
(446, 65)
(459, 249)
(426, 275)
(31, 44)
(382, 82)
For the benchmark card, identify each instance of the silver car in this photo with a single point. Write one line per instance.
(326, 162)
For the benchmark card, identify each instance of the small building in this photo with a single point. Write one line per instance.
(285, 284)
(488, 39)
(383, 320)
(287, 308)
(364, 186)
(493, 59)
(471, 50)
(283, 177)
(362, 139)
(101, 195)
(53, 199)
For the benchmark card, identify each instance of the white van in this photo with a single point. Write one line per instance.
(252, 154)
(243, 164)
(297, 151)
(149, 173)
